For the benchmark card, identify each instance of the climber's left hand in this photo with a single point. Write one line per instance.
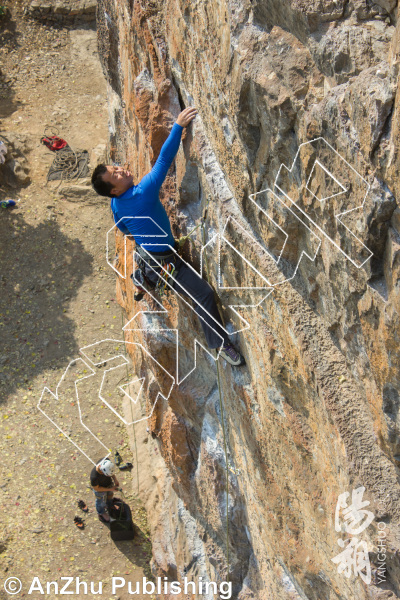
(186, 116)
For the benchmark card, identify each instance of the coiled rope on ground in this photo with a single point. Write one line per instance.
(68, 165)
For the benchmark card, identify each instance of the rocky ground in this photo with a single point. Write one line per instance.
(57, 295)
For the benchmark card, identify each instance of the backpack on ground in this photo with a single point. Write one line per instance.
(121, 529)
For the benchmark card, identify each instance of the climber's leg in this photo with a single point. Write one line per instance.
(190, 284)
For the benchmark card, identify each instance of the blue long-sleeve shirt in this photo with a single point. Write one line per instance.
(149, 223)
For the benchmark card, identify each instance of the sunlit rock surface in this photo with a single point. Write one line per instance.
(315, 413)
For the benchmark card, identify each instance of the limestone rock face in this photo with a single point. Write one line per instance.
(295, 154)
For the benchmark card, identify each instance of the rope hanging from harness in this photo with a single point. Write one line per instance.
(164, 276)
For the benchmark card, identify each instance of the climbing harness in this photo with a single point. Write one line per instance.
(163, 263)
(53, 143)
(51, 139)
(168, 270)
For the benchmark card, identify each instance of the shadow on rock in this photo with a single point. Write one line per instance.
(42, 270)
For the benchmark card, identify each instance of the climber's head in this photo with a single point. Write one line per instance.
(111, 181)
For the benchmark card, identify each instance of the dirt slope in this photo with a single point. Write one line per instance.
(57, 294)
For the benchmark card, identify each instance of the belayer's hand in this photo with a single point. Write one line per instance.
(186, 116)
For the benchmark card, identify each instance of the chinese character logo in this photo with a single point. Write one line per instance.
(353, 519)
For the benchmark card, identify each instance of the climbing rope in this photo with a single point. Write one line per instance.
(68, 165)
(130, 404)
(203, 220)
(227, 471)
(161, 289)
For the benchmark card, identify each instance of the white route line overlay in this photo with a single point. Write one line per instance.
(330, 175)
(337, 217)
(197, 342)
(73, 362)
(161, 235)
(218, 238)
(303, 253)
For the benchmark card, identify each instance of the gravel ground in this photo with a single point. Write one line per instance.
(57, 295)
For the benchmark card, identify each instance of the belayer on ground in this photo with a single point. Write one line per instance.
(114, 512)
(138, 211)
(104, 483)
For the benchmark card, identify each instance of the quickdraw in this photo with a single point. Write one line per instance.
(164, 276)
(181, 241)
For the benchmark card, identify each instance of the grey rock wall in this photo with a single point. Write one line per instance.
(315, 413)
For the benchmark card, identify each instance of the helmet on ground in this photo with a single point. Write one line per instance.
(107, 467)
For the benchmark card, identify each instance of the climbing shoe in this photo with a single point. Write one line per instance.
(126, 466)
(139, 283)
(122, 466)
(79, 523)
(232, 356)
(82, 506)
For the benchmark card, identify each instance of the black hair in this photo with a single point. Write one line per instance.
(103, 188)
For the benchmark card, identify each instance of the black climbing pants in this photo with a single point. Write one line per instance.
(189, 283)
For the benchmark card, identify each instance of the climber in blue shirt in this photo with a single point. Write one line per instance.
(143, 201)
(138, 211)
